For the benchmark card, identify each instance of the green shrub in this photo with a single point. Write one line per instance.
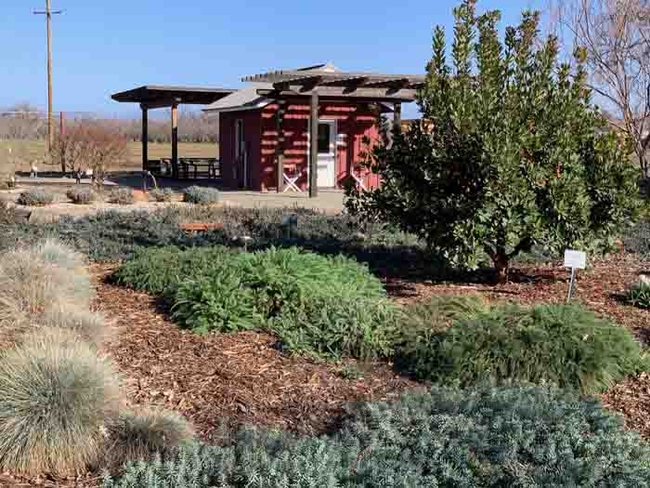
(317, 305)
(140, 436)
(439, 311)
(55, 393)
(159, 271)
(201, 195)
(162, 194)
(331, 325)
(479, 437)
(81, 196)
(218, 302)
(121, 196)
(36, 197)
(561, 344)
(639, 295)
(350, 372)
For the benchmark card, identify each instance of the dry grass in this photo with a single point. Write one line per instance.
(140, 436)
(28, 151)
(88, 326)
(55, 394)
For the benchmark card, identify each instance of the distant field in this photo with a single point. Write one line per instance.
(27, 151)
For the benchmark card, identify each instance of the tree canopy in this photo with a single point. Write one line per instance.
(509, 153)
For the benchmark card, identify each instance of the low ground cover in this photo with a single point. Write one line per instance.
(509, 436)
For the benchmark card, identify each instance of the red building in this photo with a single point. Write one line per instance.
(288, 130)
(267, 126)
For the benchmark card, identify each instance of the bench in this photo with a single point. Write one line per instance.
(194, 227)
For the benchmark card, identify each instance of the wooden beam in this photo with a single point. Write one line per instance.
(175, 139)
(361, 93)
(313, 146)
(144, 137)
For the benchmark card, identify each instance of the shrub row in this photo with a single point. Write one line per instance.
(114, 236)
(60, 403)
(478, 437)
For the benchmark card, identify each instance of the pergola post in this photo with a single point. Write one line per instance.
(175, 139)
(397, 116)
(313, 146)
(144, 136)
(279, 148)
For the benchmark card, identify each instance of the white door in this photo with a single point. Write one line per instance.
(326, 153)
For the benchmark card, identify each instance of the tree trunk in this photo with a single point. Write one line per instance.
(500, 260)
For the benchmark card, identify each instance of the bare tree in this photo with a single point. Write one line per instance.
(90, 145)
(614, 37)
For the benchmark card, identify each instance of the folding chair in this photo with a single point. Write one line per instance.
(290, 178)
(358, 180)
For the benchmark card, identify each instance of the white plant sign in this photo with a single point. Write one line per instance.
(574, 260)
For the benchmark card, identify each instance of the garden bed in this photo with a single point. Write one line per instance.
(240, 378)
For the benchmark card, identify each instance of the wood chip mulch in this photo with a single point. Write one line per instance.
(221, 379)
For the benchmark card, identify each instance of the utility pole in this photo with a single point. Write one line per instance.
(48, 12)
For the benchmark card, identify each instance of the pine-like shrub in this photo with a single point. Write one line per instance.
(639, 295)
(35, 197)
(139, 436)
(81, 196)
(162, 194)
(201, 195)
(331, 325)
(478, 437)
(55, 393)
(160, 270)
(121, 196)
(561, 344)
(439, 311)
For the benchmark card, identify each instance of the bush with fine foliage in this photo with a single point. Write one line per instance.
(565, 345)
(121, 196)
(201, 195)
(439, 311)
(81, 196)
(36, 197)
(162, 194)
(478, 437)
(139, 436)
(55, 393)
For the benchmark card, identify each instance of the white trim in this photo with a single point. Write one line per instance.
(333, 137)
(261, 104)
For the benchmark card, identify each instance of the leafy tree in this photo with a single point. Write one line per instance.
(510, 152)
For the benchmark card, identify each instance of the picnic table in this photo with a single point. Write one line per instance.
(208, 167)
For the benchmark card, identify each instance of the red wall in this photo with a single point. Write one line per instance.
(353, 122)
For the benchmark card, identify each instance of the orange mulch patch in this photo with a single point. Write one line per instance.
(237, 378)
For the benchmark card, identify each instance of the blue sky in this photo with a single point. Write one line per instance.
(101, 47)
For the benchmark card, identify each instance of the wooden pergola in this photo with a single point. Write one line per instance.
(156, 96)
(327, 82)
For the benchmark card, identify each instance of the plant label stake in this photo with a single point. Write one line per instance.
(574, 260)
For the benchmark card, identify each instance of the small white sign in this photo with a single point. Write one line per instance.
(575, 259)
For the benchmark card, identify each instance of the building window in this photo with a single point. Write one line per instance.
(324, 138)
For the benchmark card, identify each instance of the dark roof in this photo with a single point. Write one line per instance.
(329, 80)
(156, 96)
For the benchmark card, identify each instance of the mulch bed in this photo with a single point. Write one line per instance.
(220, 379)
(600, 288)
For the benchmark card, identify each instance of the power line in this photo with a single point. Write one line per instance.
(48, 12)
